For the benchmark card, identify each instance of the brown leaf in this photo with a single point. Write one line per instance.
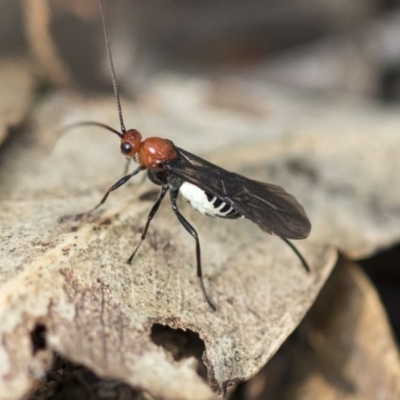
(343, 349)
(71, 280)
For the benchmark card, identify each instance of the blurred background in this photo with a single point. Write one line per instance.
(321, 47)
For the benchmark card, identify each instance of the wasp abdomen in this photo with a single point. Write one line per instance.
(206, 203)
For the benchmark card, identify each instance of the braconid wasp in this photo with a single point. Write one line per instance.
(209, 189)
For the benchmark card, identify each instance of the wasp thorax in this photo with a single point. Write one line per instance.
(130, 142)
(155, 151)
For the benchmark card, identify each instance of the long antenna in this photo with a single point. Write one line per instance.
(91, 123)
(110, 61)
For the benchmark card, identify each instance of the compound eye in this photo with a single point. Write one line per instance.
(126, 148)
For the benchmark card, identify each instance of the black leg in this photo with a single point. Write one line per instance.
(116, 185)
(193, 232)
(292, 246)
(151, 215)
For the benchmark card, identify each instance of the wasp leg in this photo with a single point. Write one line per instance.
(192, 231)
(151, 215)
(116, 185)
(298, 254)
(128, 162)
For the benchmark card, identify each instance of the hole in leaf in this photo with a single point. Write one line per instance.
(181, 344)
(38, 338)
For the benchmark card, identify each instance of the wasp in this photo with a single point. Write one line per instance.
(210, 189)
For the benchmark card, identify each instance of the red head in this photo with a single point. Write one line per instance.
(130, 142)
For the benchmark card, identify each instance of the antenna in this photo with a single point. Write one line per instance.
(110, 61)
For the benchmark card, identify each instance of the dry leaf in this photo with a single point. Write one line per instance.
(71, 280)
(343, 349)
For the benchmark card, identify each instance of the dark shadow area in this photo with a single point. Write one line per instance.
(69, 381)
(17, 136)
(150, 195)
(38, 338)
(181, 344)
(388, 4)
(384, 271)
(390, 83)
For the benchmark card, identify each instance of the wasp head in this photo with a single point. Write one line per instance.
(130, 142)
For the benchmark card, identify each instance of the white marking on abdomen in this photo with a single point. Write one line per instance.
(199, 201)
